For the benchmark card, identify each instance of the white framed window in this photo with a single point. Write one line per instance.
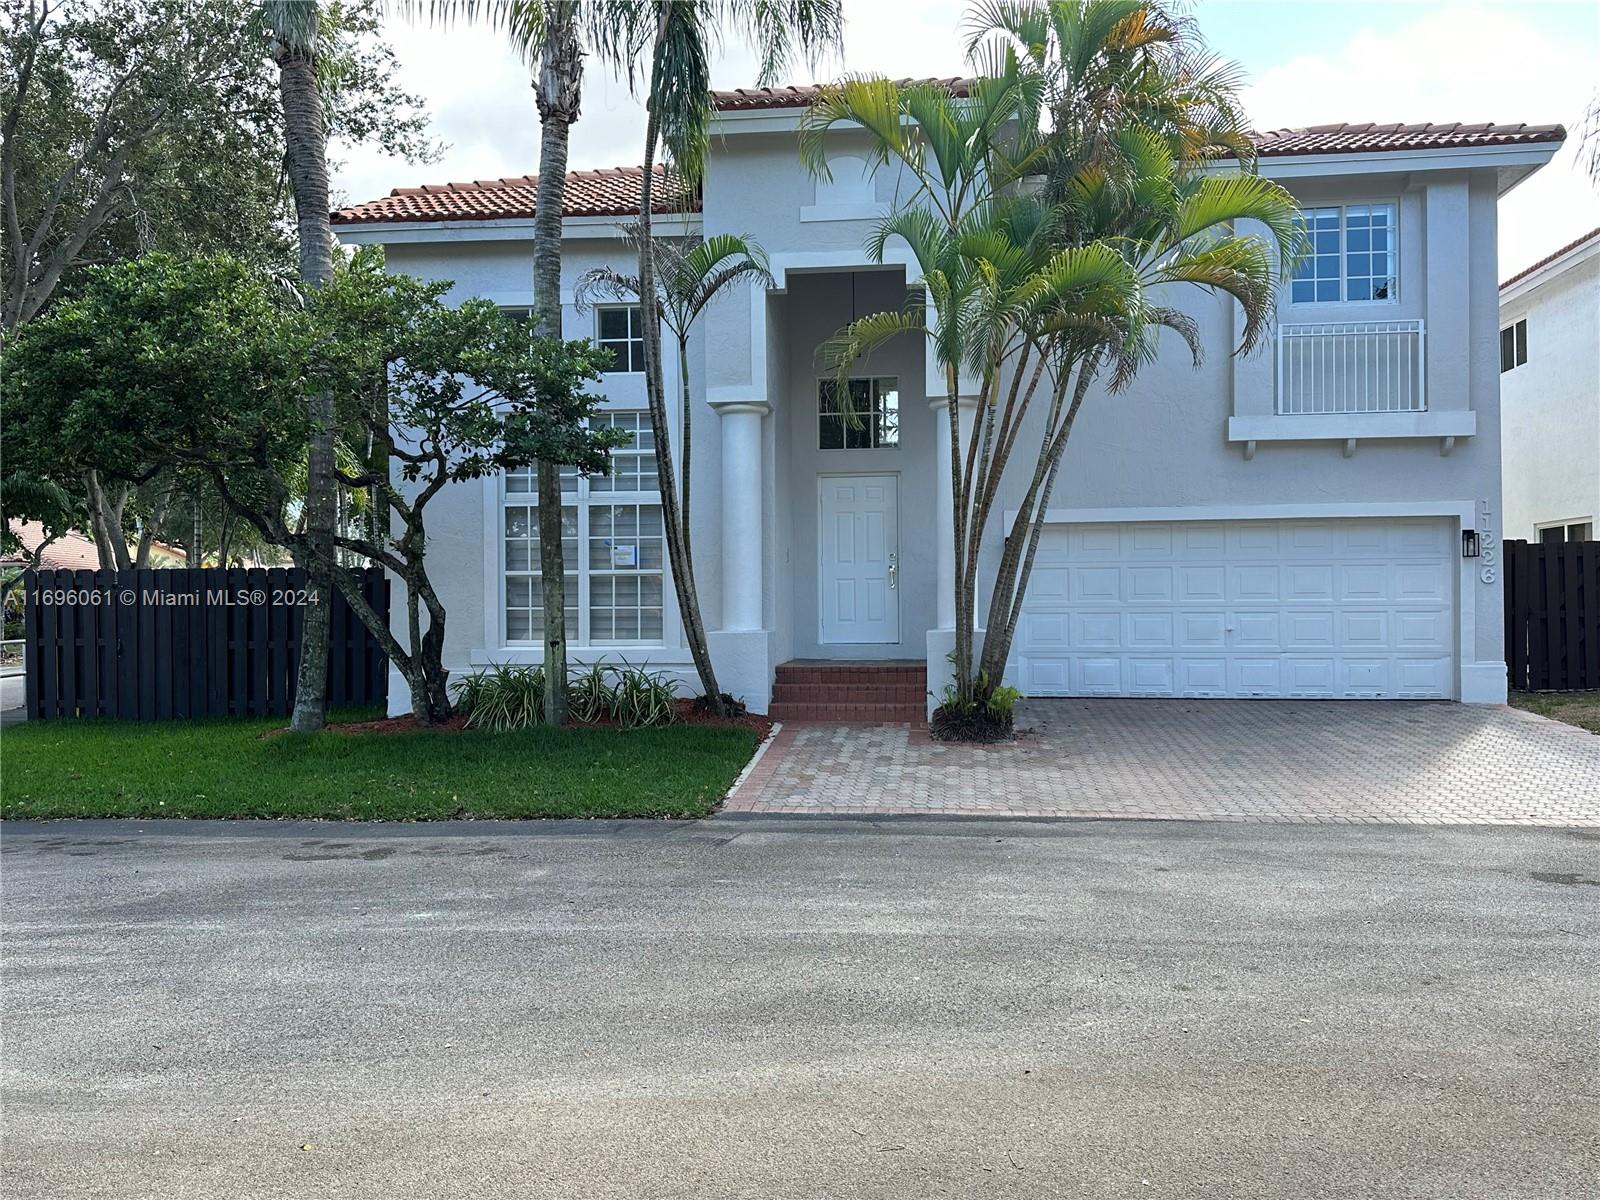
(613, 545)
(876, 404)
(1352, 255)
(620, 329)
(1513, 346)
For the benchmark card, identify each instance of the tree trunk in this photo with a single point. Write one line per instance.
(671, 515)
(105, 523)
(305, 143)
(558, 91)
(688, 444)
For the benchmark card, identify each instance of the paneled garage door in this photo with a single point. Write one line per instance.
(1352, 609)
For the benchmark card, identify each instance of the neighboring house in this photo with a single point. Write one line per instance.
(72, 551)
(1550, 395)
(1284, 525)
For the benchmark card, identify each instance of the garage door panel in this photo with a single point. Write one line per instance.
(1099, 676)
(1308, 631)
(1256, 630)
(1148, 630)
(1428, 629)
(1045, 631)
(1197, 585)
(1096, 585)
(1308, 581)
(1096, 631)
(1151, 677)
(1148, 585)
(1364, 630)
(1203, 676)
(1253, 583)
(1202, 631)
(1333, 608)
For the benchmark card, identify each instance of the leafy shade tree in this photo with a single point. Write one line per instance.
(156, 125)
(689, 275)
(200, 366)
(1038, 293)
(669, 45)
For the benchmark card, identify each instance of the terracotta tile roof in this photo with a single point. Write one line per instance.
(800, 95)
(1356, 139)
(70, 552)
(1551, 257)
(612, 192)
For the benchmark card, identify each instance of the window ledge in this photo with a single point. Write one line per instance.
(1319, 427)
(638, 655)
(864, 211)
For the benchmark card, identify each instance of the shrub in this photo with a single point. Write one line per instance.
(642, 697)
(512, 697)
(506, 696)
(987, 718)
(590, 696)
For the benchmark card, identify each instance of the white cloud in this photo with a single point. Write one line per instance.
(1467, 63)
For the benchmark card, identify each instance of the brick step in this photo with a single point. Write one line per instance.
(864, 714)
(882, 674)
(846, 693)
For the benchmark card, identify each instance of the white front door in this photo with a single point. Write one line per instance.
(859, 543)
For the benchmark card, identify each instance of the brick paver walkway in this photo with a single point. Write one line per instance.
(1215, 760)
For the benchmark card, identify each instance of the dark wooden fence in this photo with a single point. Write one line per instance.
(176, 644)
(1552, 597)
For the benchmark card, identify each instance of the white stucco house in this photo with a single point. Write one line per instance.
(1290, 524)
(1550, 395)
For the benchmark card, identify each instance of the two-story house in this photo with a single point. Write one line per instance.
(1318, 519)
(1550, 395)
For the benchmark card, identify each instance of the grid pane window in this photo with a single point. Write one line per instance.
(1351, 254)
(875, 404)
(626, 550)
(621, 331)
(633, 467)
(524, 591)
(613, 543)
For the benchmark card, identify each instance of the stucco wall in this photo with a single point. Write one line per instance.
(1163, 444)
(1551, 405)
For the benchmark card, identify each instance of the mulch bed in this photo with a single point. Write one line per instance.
(690, 712)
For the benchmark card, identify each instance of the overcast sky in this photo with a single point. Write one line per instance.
(1308, 63)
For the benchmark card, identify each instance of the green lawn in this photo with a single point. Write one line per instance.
(1575, 708)
(228, 769)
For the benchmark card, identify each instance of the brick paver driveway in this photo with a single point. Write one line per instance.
(1220, 760)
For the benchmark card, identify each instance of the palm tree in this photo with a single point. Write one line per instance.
(548, 36)
(689, 276)
(1114, 109)
(676, 39)
(294, 28)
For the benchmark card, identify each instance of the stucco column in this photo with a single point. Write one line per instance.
(741, 512)
(944, 503)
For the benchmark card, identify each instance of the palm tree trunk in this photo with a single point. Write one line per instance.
(306, 153)
(558, 92)
(688, 442)
(671, 515)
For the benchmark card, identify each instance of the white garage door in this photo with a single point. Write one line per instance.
(1353, 609)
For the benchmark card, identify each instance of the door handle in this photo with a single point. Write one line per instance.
(894, 572)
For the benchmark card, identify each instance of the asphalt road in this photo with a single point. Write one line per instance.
(791, 1009)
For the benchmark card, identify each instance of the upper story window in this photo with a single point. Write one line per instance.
(876, 405)
(1513, 346)
(1351, 255)
(620, 330)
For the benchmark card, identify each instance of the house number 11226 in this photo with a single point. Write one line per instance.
(1489, 555)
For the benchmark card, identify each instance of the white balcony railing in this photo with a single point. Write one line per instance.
(1351, 367)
